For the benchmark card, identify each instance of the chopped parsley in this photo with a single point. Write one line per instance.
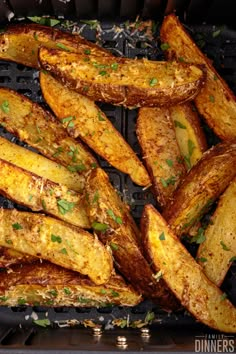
(191, 147)
(200, 237)
(102, 72)
(202, 259)
(30, 197)
(165, 46)
(99, 226)
(153, 81)
(179, 124)
(103, 291)
(100, 117)
(95, 197)
(59, 150)
(212, 98)
(63, 251)
(42, 323)
(73, 152)
(4, 298)
(166, 182)
(162, 236)
(62, 46)
(94, 165)
(21, 301)
(9, 242)
(114, 246)
(67, 291)
(53, 293)
(114, 66)
(87, 51)
(44, 205)
(55, 238)
(5, 107)
(76, 168)
(64, 206)
(225, 248)
(69, 120)
(114, 293)
(223, 296)
(117, 219)
(169, 162)
(17, 226)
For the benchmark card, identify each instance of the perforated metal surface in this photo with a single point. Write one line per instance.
(222, 49)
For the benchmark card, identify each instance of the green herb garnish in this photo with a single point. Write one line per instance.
(87, 51)
(179, 124)
(114, 246)
(169, 162)
(64, 206)
(63, 251)
(165, 46)
(5, 107)
(42, 323)
(99, 226)
(55, 238)
(67, 291)
(225, 248)
(62, 46)
(114, 66)
(17, 226)
(212, 98)
(153, 81)
(100, 117)
(162, 236)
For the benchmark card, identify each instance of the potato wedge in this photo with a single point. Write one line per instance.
(40, 194)
(46, 284)
(160, 151)
(37, 127)
(93, 127)
(215, 101)
(114, 225)
(201, 187)
(43, 167)
(9, 257)
(217, 252)
(53, 240)
(20, 43)
(184, 276)
(189, 134)
(123, 81)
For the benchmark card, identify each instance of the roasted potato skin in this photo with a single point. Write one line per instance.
(38, 164)
(48, 284)
(184, 276)
(20, 43)
(9, 257)
(93, 127)
(215, 101)
(160, 151)
(122, 235)
(201, 187)
(53, 240)
(189, 133)
(35, 126)
(40, 194)
(110, 88)
(219, 247)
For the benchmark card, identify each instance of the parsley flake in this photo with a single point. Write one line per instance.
(100, 117)
(87, 51)
(225, 248)
(153, 81)
(42, 323)
(5, 107)
(17, 226)
(179, 124)
(169, 162)
(55, 238)
(114, 246)
(62, 46)
(114, 66)
(64, 206)
(97, 226)
(165, 46)
(162, 236)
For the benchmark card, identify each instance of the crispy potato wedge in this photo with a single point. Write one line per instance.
(46, 284)
(43, 167)
(114, 225)
(20, 43)
(123, 81)
(184, 276)
(40, 194)
(160, 151)
(9, 257)
(189, 134)
(217, 252)
(37, 127)
(93, 127)
(201, 187)
(215, 101)
(53, 240)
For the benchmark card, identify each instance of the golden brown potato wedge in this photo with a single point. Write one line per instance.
(201, 187)
(114, 225)
(215, 101)
(217, 252)
(9, 257)
(40, 165)
(37, 127)
(189, 134)
(41, 194)
(160, 151)
(20, 43)
(93, 127)
(184, 276)
(123, 81)
(47, 284)
(53, 240)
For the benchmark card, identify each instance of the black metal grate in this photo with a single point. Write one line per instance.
(222, 49)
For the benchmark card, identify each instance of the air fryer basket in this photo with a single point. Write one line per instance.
(175, 332)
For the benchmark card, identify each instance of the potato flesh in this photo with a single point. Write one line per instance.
(40, 165)
(215, 253)
(93, 127)
(55, 241)
(215, 100)
(201, 187)
(185, 277)
(21, 43)
(47, 284)
(156, 135)
(189, 134)
(40, 194)
(37, 127)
